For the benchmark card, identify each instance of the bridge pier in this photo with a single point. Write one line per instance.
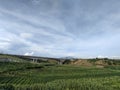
(34, 60)
(60, 62)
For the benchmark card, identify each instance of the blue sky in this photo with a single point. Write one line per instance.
(59, 28)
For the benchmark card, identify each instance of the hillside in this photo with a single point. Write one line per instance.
(22, 58)
(10, 58)
(79, 62)
(93, 62)
(22, 73)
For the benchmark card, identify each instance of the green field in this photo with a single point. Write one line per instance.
(45, 76)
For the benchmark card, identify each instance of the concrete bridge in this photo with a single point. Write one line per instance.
(59, 61)
(35, 59)
(38, 59)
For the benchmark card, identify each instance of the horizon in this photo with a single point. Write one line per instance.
(99, 57)
(60, 28)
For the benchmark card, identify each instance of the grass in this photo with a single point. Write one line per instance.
(30, 76)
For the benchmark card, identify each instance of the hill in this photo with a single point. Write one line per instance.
(93, 62)
(98, 62)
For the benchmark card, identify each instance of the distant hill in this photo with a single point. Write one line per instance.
(93, 62)
(10, 58)
(22, 58)
(99, 62)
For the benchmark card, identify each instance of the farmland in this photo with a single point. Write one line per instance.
(49, 76)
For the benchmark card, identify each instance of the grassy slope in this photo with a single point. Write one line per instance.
(22, 75)
(53, 77)
(12, 58)
(93, 62)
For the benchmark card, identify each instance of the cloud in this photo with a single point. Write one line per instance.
(53, 23)
(26, 35)
(29, 53)
(36, 2)
(60, 28)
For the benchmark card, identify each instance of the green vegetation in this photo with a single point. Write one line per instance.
(93, 74)
(7, 58)
(44, 76)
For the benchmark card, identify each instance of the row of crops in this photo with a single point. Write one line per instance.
(28, 76)
(69, 84)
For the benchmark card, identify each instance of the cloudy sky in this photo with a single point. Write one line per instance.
(58, 28)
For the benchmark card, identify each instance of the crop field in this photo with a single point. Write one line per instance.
(45, 76)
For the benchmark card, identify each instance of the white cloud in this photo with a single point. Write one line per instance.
(36, 2)
(26, 35)
(50, 22)
(45, 34)
(4, 45)
(29, 53)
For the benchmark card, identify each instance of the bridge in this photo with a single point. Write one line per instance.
(35, 59)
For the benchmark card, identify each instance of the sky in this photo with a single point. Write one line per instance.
(60, 28)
